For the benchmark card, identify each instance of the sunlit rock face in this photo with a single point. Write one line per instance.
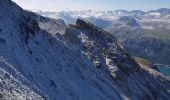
(42, 58)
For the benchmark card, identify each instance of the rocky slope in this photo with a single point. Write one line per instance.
(136, 29)
(42, 58)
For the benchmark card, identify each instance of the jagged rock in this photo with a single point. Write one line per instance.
(82, 24)
(85, 25)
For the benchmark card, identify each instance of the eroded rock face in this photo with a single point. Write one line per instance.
(61, 64)
(104, 51)
(99, 45)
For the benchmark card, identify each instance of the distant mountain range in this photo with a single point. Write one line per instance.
(144, 34)
(162, 14)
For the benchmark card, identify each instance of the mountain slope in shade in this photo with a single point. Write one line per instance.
(42, 58)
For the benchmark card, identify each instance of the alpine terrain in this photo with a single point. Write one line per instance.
(144, 34)
(45, 59)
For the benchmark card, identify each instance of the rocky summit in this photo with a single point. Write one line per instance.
(44, 59)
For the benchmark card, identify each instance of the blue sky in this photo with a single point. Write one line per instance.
(59, 5)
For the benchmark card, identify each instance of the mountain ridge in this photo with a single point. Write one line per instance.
(139, 29)
(42, 58)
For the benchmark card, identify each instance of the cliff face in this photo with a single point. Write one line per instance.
(42, 58)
